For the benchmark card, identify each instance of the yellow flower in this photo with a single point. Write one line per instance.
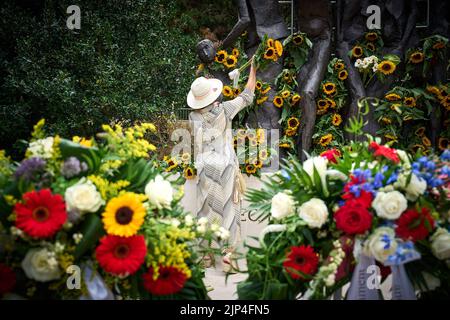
(260, 135)
(258, 85)
(336, 119)
(189, 173)
(236, 91)
(227, 91)
(221, 56)
(416, 57)
(426, 142)
(420, 132)
(82, 141)
(270, 53)
(270, 43)
(357, 51)
(371, 36)
(295, 98)
(263, 154)
(262, 100)
(443, 143)
(322, 104)
(391, 137)
(439, 45)
(250, 169)
(343, 74)
(331, 103)
(171, 164)
(285, 145)
(200, 67)
(434, 90)
(293, 123)
(258, 164)
(386, 67)
(329, 88)
(297, 39)
(235, 52)
(124, 215)
(392, 97)
(278, 101)
(326, 140)
(285, 93)
(279, 48)
(371, 46)
(445, 102)
(339, 66)
(409, 102)
(291, 132)
(266, 90)
(230, 61)
(242, 133)
(386, 120)
(415, 148)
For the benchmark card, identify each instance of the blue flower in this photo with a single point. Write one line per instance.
(393, 178)
(445, 156)
(378, 180)
(73, 167)
(29, 168)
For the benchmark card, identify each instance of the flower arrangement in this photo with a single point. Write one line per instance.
(328, 132)
(338, 213)
(422, 58)
(181, 163)
(97, 219)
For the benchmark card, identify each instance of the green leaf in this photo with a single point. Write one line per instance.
(92, 230)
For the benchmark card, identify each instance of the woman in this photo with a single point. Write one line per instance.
(219, 186)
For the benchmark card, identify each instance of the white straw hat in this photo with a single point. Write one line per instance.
(204, 92)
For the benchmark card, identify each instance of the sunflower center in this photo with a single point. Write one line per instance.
(387, 67)
(122, 251)
(329, 87)
(41, 214)
(124, 215)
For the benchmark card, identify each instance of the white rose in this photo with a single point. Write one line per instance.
(381, 244)
(389, 205)
(41, 265)
(42, 148)
(440, 244)
(188, 220)
(282, 205)
(83, 196)
(314, 212)
(320, 163)
(414, 189)
(404, 158)
(159, 192)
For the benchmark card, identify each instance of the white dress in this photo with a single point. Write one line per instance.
(218, 187)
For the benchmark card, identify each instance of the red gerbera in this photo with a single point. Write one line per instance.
(414, 225)
(170, 280)
(353, 217)
(120, 255)
(301, 260)
(7, 279)
(42, 214)
(383, 151)
(332, 155)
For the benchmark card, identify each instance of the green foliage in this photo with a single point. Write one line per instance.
(129, 60)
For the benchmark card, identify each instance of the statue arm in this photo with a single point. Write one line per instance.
(240, 26)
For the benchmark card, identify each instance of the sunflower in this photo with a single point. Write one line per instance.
(390, 137)
(443, 143)
(357, 51)
(221, 56)
(278, 101)
(415, 148)
(227, 91)
(426, 141)
(336, 120)
(293, 123)
(285, 145)
(250, 169)
(189, 173)
(295, 99)
(371, 46)
(343, 74)
(331, 103)
(329, 88)
(392, 97)
(396, 107)
(287, 77)
(260, 135)
(236, 91)
(386, 120)
(434, 90)
(322, 104)
(445, 102)
(291, 132)
(124, 215)
(416, 57)
(261, 100)
(270, 43)
(439, 45)
(386, 67)
(285, 94)
(297, 39)
(263, 154)
(409, 102)
(242, 133)
(279, 48)
(171, 164)
(326, 140)
(258, 85)
(270, 53)
(371, 36)
(235, 52)
(266, 90)
(230, 61)
(258, 164)
(253, 142)
(339, 66)
(420, 131)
